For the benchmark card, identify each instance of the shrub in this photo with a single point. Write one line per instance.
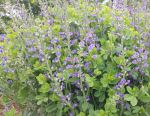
(76, 58)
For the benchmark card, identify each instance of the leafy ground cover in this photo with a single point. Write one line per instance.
(77, 58)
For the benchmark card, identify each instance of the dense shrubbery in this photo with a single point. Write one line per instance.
(77, 58)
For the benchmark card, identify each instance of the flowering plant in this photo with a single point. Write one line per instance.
(80, 59)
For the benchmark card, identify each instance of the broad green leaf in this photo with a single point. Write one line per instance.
(51, 108)
(54, 97)
(84, 106)
(132, 99)
(44, 88)
(145, 99)
(41, 79)
(101, 113)
(66, 74)
(32, 1)
(136, 109)
(56, 28)
(11, 112)
(90, 80)
(81, 114)
(39, 102)
(129, 89)
(110, 106)
(97, 72)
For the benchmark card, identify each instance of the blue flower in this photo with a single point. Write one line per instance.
(90, 48)
(2, 37)
(58, 54)
(62, 34)
(69, 66)
(1, 49)
(75, 74)
(82, 44)
(134, 61)
(86, 65)
(55, 40)
(75, 60)
(94, 56)
(68, 59)
(32, 49)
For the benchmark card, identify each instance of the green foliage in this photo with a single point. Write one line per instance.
(77, 58)
(11, 112)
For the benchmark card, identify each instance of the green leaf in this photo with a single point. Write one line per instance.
(51, 108)
(71, 11)
(81, 114)
(90, 80)
(66, 74)
(39, 102)
(97, 72)
(32, 1)
(102, 97)
(106, 80)
(44, 88)
(11, 112)
(97, 94)
(54, 97)
(110, 106)
(120, 60)
(41, 96)
(136, 109)
(84, 106)
(132, 99)
(102, 113)
(129, 89)
(56, 28)
(22, 94)
(41, 79)
(5, 100)
(145, 99)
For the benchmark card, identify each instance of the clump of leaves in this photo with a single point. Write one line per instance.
(81, 59)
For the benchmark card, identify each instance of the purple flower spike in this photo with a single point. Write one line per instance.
(2, 37)
(58, 54)
(86, 65)
(54, 40)
(140, 50)
(62, 34)
(74, 51)
(68, 59)
(134, 61)
(75, 105)
(90, 48)
(128, 82)
(32, 49)
(75, 74)
(69, 66)
(81, 44)
(63, 98)
(145, 65)
(94, 56)
(89, 34)
(1, 49)
(87, 98)
(120, 94)
(75, 60)
(50, 21)
(4, 58)
(71, 114)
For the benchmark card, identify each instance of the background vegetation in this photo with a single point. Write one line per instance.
(75, 57)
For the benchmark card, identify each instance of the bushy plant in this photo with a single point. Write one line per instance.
(77, 58)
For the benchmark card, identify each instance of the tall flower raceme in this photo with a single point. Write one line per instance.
(76, 60)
